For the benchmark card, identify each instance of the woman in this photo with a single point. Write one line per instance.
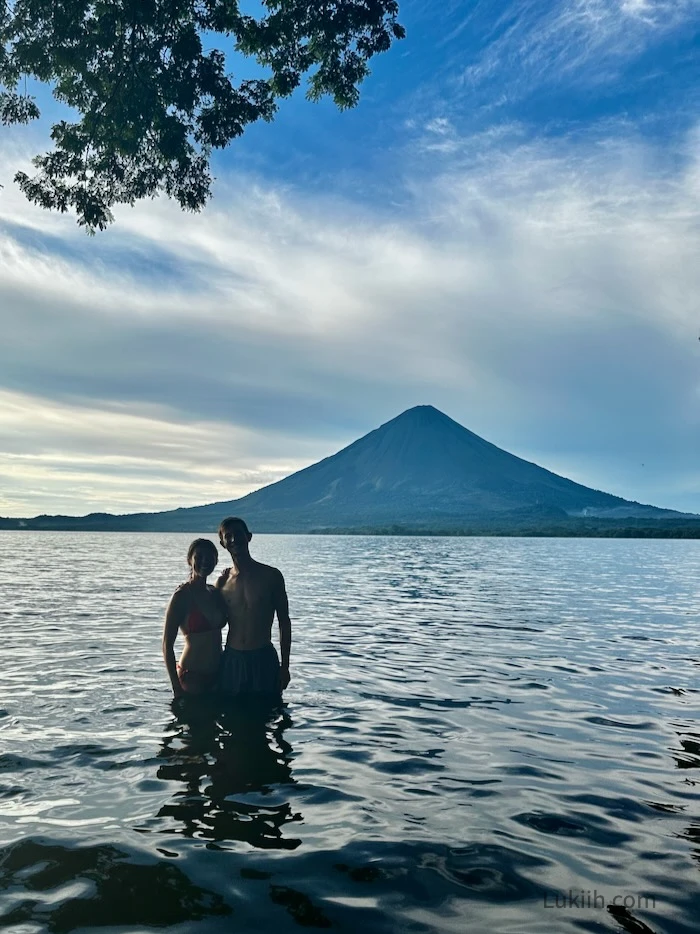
(199, 612)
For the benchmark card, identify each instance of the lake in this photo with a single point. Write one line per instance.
(497, 735)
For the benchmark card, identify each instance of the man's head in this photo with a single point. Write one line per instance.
(235, 537)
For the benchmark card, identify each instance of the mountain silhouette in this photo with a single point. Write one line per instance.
(422, 466)
(421, 470)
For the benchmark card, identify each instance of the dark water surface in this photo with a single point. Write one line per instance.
(477, 731)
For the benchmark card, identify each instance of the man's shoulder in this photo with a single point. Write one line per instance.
(270, 570)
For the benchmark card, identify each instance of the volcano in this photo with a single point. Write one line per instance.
(421, 470)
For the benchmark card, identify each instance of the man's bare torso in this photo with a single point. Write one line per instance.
(251, 598)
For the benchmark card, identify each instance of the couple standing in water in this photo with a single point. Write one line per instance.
(246, 597)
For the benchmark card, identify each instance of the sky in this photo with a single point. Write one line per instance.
(507, 227)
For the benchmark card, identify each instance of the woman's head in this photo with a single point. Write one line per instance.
(202, 557)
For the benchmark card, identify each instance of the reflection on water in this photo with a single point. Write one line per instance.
(97, 886)
(475, 729)
(690, 759)
(222, 757)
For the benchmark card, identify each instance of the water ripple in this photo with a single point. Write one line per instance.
(476, 730)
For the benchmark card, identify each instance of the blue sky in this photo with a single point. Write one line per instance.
(507, 228)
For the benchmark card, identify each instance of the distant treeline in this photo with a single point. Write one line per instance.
(602, 529)
(557, 528)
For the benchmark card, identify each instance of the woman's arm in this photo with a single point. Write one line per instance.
(173, 618)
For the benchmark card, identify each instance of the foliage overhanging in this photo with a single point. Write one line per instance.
(149, 83)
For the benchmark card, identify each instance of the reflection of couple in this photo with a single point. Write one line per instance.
(246, 597)
(221, 761)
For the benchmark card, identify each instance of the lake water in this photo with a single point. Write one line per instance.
(483, 735)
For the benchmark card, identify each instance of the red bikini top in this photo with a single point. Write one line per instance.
(196, 621)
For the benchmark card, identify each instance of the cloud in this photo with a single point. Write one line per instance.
(577, 41)
(542, 293)
(58, 457)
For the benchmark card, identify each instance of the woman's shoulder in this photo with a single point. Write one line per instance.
(180, 600)
(182, 590)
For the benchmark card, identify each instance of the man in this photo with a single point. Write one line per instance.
(253, 593)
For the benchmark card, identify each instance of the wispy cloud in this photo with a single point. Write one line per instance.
(77, 458)
(586, 41)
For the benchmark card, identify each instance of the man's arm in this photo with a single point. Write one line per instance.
(173, 617)
(285, 624)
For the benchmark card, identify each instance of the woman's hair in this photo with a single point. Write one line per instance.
(204, 543)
